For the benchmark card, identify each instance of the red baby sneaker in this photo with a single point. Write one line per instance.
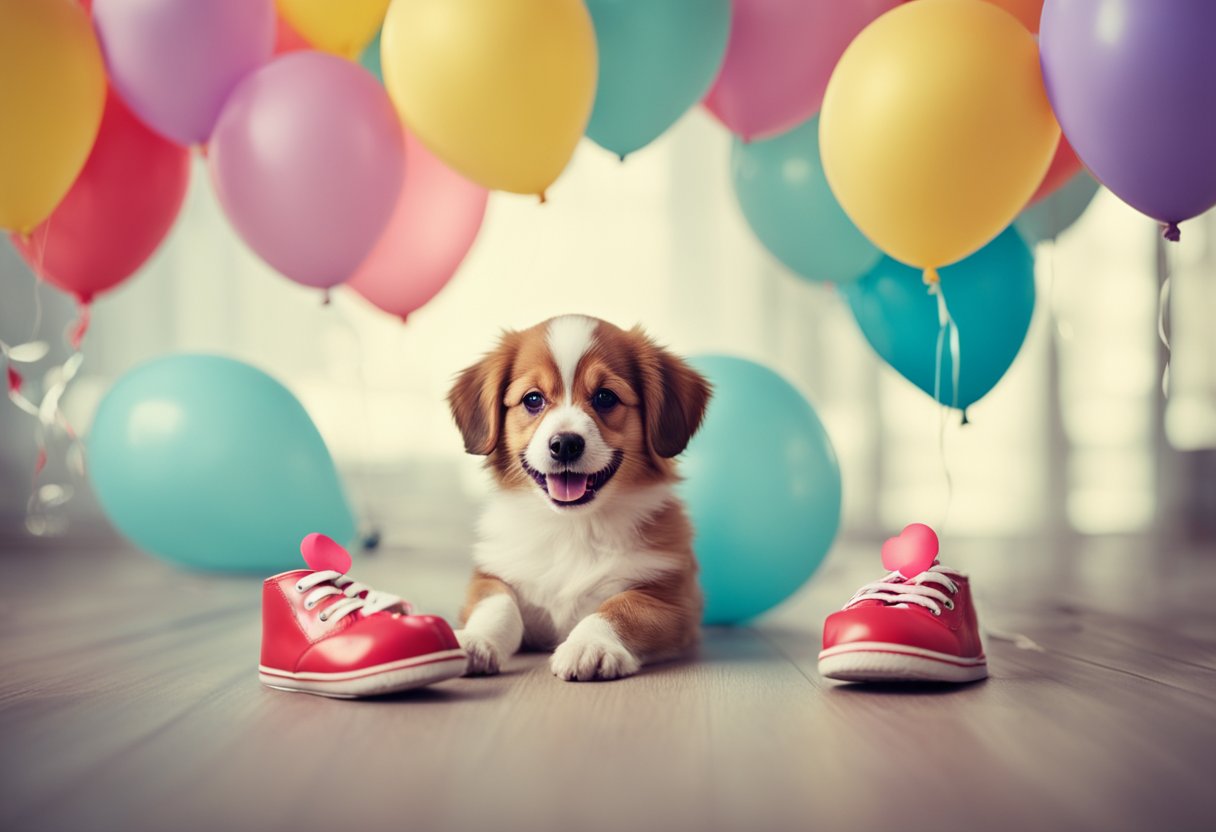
(324, 633)
(920, 628)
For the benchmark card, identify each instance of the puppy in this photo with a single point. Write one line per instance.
(584, 546)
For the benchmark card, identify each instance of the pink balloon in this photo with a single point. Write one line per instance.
(779, 58)
(436, 220)
(307, 160)
(175, 61)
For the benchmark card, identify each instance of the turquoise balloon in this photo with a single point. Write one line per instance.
(762, 486)
(787, 202)
(990, 296)
(370, 58)
(210, 463)
(1052, 215)
(657, 58)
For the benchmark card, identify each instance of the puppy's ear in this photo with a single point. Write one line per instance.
(476, 397)
(674, 397)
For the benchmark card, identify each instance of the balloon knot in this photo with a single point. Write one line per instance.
(325, 297)
(965, 420)
(405, 319)
(1171, 232)
(931, 278)
(543, 198)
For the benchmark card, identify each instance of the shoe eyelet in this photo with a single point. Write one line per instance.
(937, 612)
(309, 605)
(299, 588)
(949, 604)
(323, 617)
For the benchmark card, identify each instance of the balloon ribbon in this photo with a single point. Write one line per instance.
(49, 416)
(947, 334)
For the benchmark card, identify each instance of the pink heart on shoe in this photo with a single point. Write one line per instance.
(322, 553)
(912, 552)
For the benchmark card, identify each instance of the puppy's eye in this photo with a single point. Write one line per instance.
(604, 400)
(533, 402)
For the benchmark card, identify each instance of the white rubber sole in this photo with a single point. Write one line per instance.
(876, 661)
(392, 677)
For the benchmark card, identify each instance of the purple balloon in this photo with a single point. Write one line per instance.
(1133, 83)
(307, 159)
(175, 61)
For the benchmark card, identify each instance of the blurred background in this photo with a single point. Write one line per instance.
(1077, 439)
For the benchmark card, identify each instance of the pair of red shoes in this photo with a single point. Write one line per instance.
(324, 633)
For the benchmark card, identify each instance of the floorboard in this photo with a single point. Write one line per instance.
(129, 701)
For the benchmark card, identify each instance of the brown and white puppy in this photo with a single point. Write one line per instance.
(584, 546)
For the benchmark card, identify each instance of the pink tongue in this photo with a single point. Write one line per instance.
(566, 487)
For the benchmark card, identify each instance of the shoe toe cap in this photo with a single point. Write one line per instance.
(379, 639)
(889, 625)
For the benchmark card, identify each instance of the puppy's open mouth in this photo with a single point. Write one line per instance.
(574, 488)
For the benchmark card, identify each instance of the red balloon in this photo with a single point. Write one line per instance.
(1063, 166)
(117, 211)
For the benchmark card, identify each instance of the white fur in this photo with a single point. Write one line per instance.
(563, 566)
(593, 651)
(569, 337)
(568, 419)
(493, 632)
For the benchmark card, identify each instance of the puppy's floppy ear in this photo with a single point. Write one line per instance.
(476, 397)
(674, 397)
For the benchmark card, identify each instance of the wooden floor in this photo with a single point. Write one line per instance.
(129, 701)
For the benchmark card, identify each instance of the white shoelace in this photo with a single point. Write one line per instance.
(329, 582)
(895, 590)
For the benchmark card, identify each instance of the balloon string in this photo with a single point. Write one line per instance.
(47, 412)
(39, 266)
(947, 334)
(1163, 303)
(80, 327)
(369, 533)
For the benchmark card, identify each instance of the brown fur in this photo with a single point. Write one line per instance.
(482, 586)
(661, 618)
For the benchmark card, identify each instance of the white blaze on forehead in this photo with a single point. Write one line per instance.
(569, 338)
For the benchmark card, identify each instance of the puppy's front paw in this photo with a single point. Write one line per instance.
(593, 651)
(484, 658)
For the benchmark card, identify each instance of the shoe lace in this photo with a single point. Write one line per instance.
(328, 582)
(896, 590)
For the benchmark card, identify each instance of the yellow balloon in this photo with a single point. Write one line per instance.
(342, 27)
(501, 90)
(936, 129)
(52, 92)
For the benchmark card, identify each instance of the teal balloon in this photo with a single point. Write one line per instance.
(990, 296)
(212, 464)
(370, 58)
(762, 486)
(657, 59)
(785, 197)
(1056, 212)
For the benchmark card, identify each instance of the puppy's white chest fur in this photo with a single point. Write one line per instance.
(563, 565)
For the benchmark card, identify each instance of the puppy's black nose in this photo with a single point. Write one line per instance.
(566, 447)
